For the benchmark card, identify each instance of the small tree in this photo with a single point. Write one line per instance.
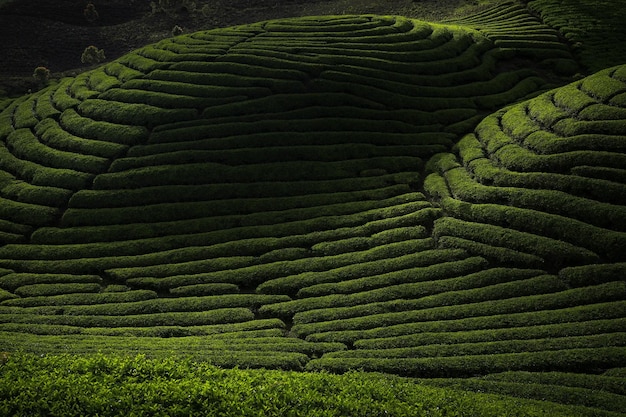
(41, 75)
(92, 55)
(177, 30)
(91, 13)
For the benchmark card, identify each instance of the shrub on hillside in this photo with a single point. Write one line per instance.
(92, 55)
(41, 75)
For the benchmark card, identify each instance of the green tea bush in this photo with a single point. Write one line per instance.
(202, 173)
(251, 64)
(10, 238)
(61, 98)
(6, 296)
(186, 248)
(16, 229)
(18, 335)
(608, 174)
(225, 315)
(82, 299)
(593, 274)
(589, 188)
(45, 108)
(81, 89)
(204, 289)
(248, 272)
(521, 332)
(566, 230)
(199, 209)
(573, 380)
(179, 388)
(525, 87)
(41, 290)
(158, 99)
(332, 153)
(284, 254)
(101, 80)
(159, 56)
(245, 329)
(177, 304)
(195, 90)
(121, 72)
(52, 134)
(615, 372)
(602, 85)
(426, 296)
(24, 116)
(414, 296)
(524, 384)
(27, 214)
(177, 193)
(225, 80)
(372, 275)
(601, 127)
(34, 194)
(40, 175)
(602, 112)
(88, 128)
(27, 146)
(511, 306)
(132, 114)
(557, 202)
(500, 255)
(572, 99)
(12, 281)
(182, 222)
(385, 255)
(580, 313)
(558, 252)
(257, 225)
(184, 260)
(488, 348)
(566, 360)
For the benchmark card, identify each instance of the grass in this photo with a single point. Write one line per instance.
(321, 194)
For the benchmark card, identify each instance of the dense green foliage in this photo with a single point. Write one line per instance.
(324, 194)
(135, 386)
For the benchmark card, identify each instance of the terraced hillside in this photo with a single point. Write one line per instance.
(306, 194)
(595, 29)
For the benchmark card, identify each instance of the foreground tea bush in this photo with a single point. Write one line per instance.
(124, 385)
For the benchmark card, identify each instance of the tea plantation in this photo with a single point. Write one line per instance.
(444, 203)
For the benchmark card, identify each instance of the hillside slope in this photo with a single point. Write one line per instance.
(327, 193)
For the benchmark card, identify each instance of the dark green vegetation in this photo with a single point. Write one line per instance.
(333, 193)
(173, 388)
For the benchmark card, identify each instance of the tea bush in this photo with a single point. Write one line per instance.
(196, 387)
